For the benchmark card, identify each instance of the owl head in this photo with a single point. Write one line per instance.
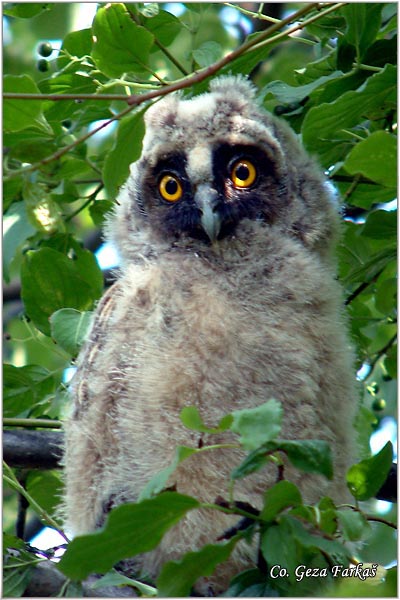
(218, 170)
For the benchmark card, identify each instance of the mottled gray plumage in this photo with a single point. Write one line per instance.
(226, 297)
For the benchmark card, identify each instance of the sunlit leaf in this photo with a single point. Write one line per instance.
(375, 158)
(20, 114)
(120, 45)
(366, 477)
(69, 328)
(282, 495)
(51, 281)
(258, 425)
(126, 149)
(16, 229)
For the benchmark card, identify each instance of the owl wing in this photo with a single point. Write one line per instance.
(90, 358)
(89, 432)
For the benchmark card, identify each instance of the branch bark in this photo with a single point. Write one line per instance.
(33, 449)
(47, 582)
(135, 100)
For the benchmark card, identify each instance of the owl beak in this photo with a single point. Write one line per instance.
(206, 200)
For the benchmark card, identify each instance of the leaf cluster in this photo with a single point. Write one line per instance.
(288, 532)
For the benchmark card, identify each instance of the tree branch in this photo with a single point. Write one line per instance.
(33, 449)
(48, 582)
(135, 99)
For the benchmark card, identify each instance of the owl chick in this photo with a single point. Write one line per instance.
(226, 297)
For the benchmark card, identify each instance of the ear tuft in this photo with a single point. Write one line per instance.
(233, 86)
(162, 113)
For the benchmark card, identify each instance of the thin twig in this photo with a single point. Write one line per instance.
(383, 351)
(13, 482)
(159, 44)
(66, 149)
(381, 520)
(57, 97)
(42, 423)
(254, 15)
(88, 201)
(362, 287)
(197, 77)
(298, 27)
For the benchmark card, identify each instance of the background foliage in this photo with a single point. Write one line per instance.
(73, 122)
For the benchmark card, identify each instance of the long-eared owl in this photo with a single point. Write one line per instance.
(226, 297)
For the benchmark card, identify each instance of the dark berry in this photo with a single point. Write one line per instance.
(45, 49)
(43, 65)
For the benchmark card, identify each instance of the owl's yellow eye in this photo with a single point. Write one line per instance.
(243, 174)
(170, 188)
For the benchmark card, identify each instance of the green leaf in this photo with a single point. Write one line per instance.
(259, 425)
(324, 126)
(120, 45)
(113, 578)
(372, 266)
(43, 213)
(245, 63)
(311, 456)
(177, 577)
(191, 418)
(23, 387)
(286, 93)
(334, 549)
(365, 195)
(255, 461)
(20, 114)
(126, 150)
(207, 53)
(45, 487)
(99, 209)
(322, 67)
(381, 225)
(282, 495)
(11, 188)
(278, 546)
(353, 524)
(159, 481)
(86, 264)
(69, 328)
(327, 521)
(346, 55)
(68, 83)
(382, 52)
(77, 44)
(363, 23)
(250, 584)
(386, 296)
(375, 158)
(366, 477)
(379, 334)
(327, 26)
(364, 424)
(19, 567)
(130, 529)
(26, 10)
(72, 167)
(50, 281)
(16, 230)
(29, 143)
(164, 26)
(391, 362)
(150, 9)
